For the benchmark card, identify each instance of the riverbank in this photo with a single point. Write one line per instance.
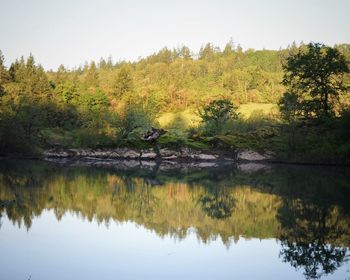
(165, 154)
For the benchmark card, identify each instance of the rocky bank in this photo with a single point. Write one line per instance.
(165, 154)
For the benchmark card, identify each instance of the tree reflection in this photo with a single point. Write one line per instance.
(217, 204)
(311, 219)
(312, 237)
(316, 258)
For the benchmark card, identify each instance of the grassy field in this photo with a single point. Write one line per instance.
(189, 118)
(246, 110)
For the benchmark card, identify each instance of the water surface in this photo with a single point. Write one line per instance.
(149, 221)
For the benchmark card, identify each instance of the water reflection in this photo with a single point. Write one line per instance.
(307, 209)
(218, 203)
(311, 226)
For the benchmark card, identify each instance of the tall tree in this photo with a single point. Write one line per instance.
(315, 77)
(92, 77)
(124, 82)
(207, 52)
(3, 74)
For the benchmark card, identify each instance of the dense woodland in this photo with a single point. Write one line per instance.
(109, 104)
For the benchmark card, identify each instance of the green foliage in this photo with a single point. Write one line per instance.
(113, 104)
(92, 138)
(92, 77)
(216, 114)
(4, 76)
(314, 78)
(124, 83)
(131, 120)
(95, 102)
(172, 141)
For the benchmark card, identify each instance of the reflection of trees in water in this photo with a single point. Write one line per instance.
(312, 219)
(316, 258)
(217, 204)
(310, 230)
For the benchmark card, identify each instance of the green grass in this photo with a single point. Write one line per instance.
(247, 110)
(184, 120)
(179, 120)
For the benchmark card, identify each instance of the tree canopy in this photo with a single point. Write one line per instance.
(314, 78)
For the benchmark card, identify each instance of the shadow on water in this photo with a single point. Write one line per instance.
(306, 208)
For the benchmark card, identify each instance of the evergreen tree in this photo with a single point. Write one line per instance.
(4, 76)
(92, 77)
(207, 52)
(124, 82)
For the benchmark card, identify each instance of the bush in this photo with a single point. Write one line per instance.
(92, 139)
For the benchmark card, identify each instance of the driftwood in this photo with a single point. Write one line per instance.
(153, 134)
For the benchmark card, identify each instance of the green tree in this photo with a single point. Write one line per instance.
(3, 74)
(92, 77)
(124, 82)
(217, 113)
(185, 52)
(314, 77)
(30, 79)
(207, 52)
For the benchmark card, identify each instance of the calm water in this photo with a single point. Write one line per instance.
(126, 221)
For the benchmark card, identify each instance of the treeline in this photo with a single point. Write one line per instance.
(104, 102)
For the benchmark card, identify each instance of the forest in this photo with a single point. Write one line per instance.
(293, 102)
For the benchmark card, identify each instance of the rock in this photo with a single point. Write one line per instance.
(84, 152)
(148, 163)
(252, 167)
(183, 154)
(57, 154)
(114, 154)
(170, 157)
(206, 164)
(101, 153)
(167, 153)
(130, 163)
(250, 155)
(150, 155)
(186, 153)
(130, 154)
(206, 157)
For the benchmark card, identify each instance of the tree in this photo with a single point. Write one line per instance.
(3, 73)
(229, 48)
(92, 77)
(124, 82)
(185, 53)
(207, 52)
(30, 80)
(314, 79)
(217, 113)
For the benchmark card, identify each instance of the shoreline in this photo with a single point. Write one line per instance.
(173, 156)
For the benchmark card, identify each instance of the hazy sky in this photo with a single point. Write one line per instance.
(74, 31)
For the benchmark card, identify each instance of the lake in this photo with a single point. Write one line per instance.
(132, 220)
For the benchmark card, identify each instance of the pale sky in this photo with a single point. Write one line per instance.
(70, 32)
